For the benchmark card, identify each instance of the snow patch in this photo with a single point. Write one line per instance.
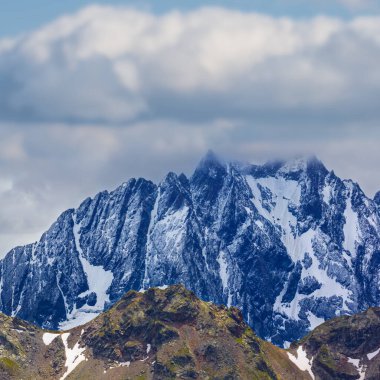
(360, 368)
(74, 355)
(314, 320)
(223, 269)
(77, 318)
(326, 194)
(371, 355)
(350, 228)
(301, 361)
(99, 281)
(48, 338)
(119, 364)
(223, 273)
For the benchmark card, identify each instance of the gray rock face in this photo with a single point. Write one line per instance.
(289, 243)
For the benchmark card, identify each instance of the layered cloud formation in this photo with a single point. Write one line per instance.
(117, 65)
(109, 92)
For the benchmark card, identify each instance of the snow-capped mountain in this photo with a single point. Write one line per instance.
(289, 243)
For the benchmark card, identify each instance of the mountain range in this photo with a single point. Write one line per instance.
(288, 243)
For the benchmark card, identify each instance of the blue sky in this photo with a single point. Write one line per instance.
(112, 92)
(22, 15)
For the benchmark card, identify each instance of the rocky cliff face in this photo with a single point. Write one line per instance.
(288, 243)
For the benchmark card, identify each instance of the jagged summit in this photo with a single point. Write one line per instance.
(303, 164)
(290, 244)
(209, 166)
(210, 159)
(299, 165)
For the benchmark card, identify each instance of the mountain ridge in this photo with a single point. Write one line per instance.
(289, 243)
(168, 333)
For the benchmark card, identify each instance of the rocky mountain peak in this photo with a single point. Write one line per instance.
(347, 347)
(210, 165)
(289, 244)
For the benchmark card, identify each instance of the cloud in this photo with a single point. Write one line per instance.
(106, 64)
(110, 93)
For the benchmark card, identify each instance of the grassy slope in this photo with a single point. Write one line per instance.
(188, 338)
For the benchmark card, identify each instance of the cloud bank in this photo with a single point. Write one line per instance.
(110, 92)
(118, 65)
